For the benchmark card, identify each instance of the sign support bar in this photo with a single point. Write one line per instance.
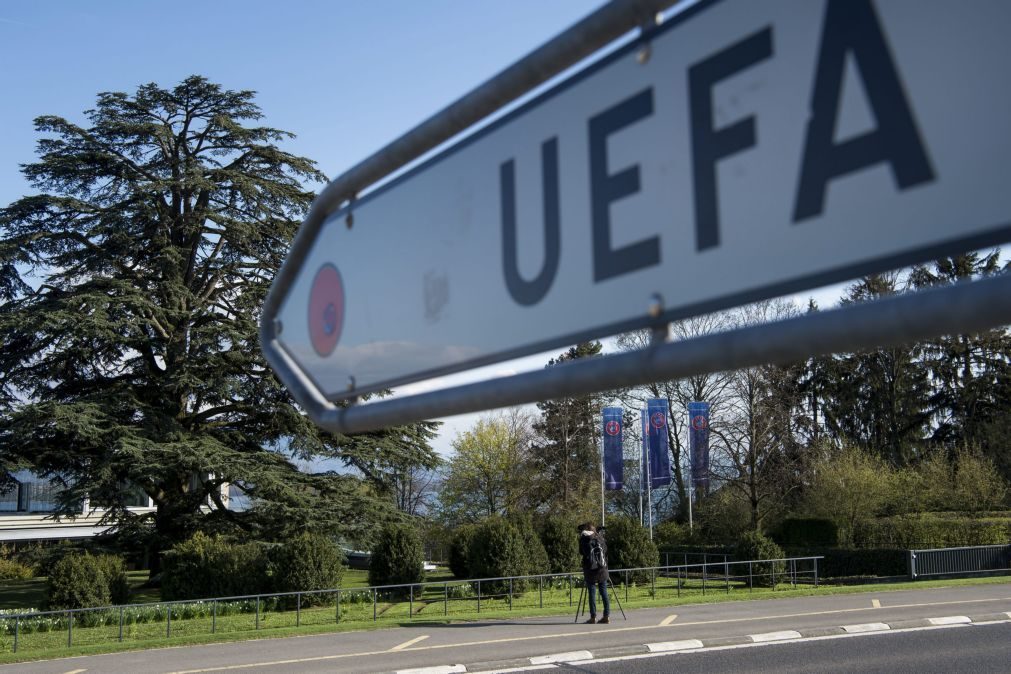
(963, 308)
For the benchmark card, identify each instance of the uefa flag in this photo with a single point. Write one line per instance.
(612, 432)
(659, 454)
(698, 441)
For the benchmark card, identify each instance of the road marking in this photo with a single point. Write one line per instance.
(438, 669)
(875, 603)
(400, 647)
(568, 635)
(76, 671)
(668, 646)
(572, 656)
(781, 635)
(668, 620)
(865, 627)
(950, 620)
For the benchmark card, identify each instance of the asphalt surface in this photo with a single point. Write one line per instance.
(500, 644)
(980, 649)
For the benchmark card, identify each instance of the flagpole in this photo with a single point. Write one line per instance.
(602, 426)
(649, 477)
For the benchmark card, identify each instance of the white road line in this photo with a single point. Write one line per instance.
(875, 603)
(670, 646)
(865, 627)
(400, 647)
(782, 635)
(76, 671)
(440, 669)
(668, 620)
(573, 656)
(950, 620)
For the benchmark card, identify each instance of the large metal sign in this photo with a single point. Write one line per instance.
(742, 150)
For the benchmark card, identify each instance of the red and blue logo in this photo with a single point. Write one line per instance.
(326, 310)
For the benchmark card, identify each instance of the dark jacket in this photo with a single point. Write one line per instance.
(592, 575)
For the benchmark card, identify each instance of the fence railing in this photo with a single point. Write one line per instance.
(958, 561)
(47, 630)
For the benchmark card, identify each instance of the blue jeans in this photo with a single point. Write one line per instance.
(592, 588)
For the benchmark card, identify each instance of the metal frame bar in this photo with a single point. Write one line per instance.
(578, 42)
(962, 308)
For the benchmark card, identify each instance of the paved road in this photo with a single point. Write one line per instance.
(496, 644)
(980, 649)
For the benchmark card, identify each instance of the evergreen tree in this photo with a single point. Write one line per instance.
(130, 289)
(567, 458)
(966, 371)
(880, 398)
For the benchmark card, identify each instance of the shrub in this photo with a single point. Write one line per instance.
(458, 551)
(306, 562)
(206, 566)
(535, 557)
(807, 531)
(497, 550)
(753, 545)
(671, 533)
(628, 546)
(11, 569)
(77, 581)
(932, 530)
(397, 558)
(114, 570)
(561, 543)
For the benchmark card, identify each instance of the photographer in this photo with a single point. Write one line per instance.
(593, 549)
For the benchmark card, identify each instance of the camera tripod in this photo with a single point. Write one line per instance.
(613, 595)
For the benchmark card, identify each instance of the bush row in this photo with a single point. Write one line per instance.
(206, 566)
(930, 530)
(81, 580)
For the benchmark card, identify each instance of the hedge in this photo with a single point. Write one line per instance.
(306, 562)
(397, 557)
(77, 581)
(203, 567)
(931, 530)
(806, 531)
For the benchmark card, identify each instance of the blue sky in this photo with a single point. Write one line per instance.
(346, 77)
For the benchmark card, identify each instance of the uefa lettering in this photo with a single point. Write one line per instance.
(759, 150)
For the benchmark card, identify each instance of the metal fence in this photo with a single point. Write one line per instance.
(49, 630)
(959, 561)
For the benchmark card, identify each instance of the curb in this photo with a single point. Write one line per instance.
(695, 645)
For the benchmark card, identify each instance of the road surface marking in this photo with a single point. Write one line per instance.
(668, 620)
(76, 671)
(781, 635)
(568, 635)
(438, 669)
(400, 647)
(866, 627)
(875, 603)
(950, 620)
(668, 646)
(571, 656)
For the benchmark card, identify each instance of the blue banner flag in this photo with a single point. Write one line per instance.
(659, 454)
(698, 443)
(614, 469)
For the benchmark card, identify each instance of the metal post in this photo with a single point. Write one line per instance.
(298, 609)
(570, 590)
(751, 586)
(679, 581)
(540, 590)
(121, 624)
(445, 599)
(478, 596)
(816, 572)
(338, 616)
(70, 629)
(703, 577)
(374, 602)
(168, 621)
(652, 581)
(410, 607)
(510, 594)
(214, 616)
(17, 626)
(257, 612)
(626, 585)
(726, 574)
